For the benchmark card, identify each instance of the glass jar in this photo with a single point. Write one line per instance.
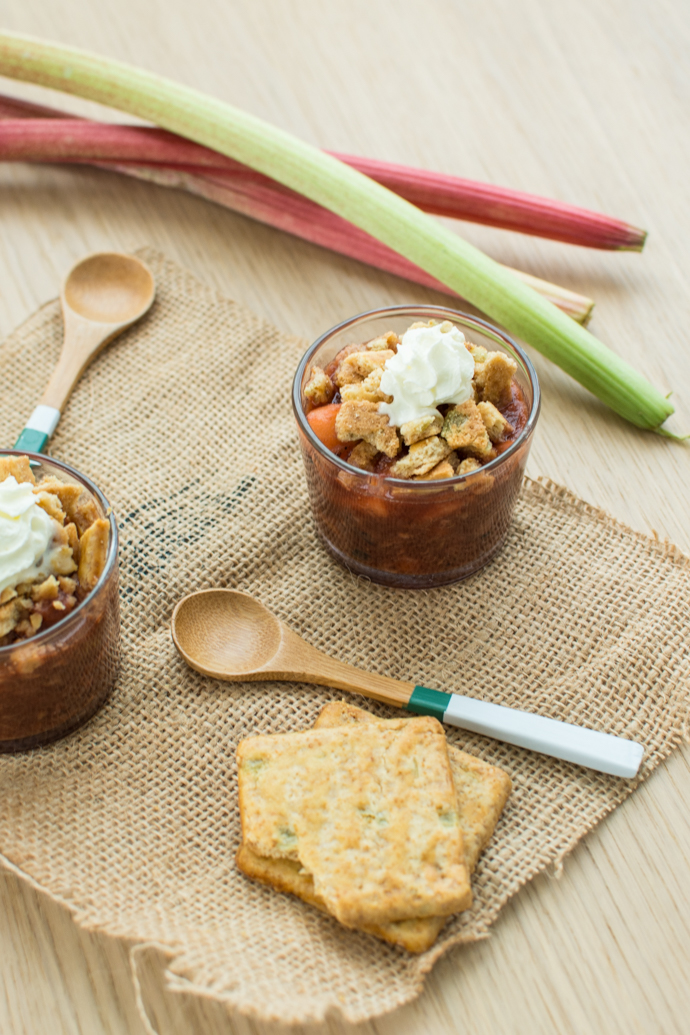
(52, 683)
(402, 533)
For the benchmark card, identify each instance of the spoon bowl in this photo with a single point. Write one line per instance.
(232, 636)
(219, 632)
(109, 288)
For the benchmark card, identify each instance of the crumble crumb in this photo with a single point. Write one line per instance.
(357, 420)
(93, 552)
(47, 590)
(463, 428)
(389, 340)
(442, 470)
(368, 390)
(363, 456)
(496, 425)
(359, 365)
(494, 375)
(423, 427)
(17, 466)
(319, 388)
(49, 502)
(479, 353)
(422, 457)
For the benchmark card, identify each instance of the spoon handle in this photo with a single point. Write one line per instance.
(83, 341)
(38, 429)
(601, 751)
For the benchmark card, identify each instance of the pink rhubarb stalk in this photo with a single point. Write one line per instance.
(171, 161)
(433, 192)
(486, 203)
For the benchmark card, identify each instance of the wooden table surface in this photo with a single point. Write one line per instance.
(586, 102)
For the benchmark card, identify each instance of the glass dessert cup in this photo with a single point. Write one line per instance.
(53, 682)
(403, 533)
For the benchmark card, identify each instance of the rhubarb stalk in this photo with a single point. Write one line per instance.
(170, 161)
(351, 195)
(486, 203)
(436, 193)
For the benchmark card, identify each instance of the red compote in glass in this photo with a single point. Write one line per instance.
(59, 605)
(409, 501)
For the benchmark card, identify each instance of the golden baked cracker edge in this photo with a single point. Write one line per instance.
(287, 876)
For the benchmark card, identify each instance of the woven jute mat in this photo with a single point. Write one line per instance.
(132, 822)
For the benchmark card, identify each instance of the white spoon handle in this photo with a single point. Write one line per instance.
(600, 751)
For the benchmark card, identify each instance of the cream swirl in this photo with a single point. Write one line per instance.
(26, 532)
(432, 366)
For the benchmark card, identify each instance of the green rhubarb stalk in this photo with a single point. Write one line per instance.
(351, 195)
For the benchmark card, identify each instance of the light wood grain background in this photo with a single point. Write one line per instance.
(585, 101)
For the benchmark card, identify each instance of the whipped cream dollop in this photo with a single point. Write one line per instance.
(26, 532)
(432, 366)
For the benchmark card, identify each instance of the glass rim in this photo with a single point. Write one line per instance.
(483, 326)
(63, 625)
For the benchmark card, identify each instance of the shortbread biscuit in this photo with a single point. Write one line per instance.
(369, 811)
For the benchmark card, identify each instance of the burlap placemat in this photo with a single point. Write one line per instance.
(132, 822)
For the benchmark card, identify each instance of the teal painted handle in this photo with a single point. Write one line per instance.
(38, 429)
(429, 702)
(591, 748)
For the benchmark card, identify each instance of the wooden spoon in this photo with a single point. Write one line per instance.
(231, 636)
(102, 296)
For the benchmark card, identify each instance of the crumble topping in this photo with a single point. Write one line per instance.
(493, 376)
(320, 389)
(368, 390)
(53, 549)
(464, 428)
(421, 457)
(451, 438)
(497, 427)
(422, 427)
(363, 456)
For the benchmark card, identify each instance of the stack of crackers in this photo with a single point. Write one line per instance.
(377, 822)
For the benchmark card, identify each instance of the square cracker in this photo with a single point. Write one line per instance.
(482, 789)
(482, 792)
(369, 811)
